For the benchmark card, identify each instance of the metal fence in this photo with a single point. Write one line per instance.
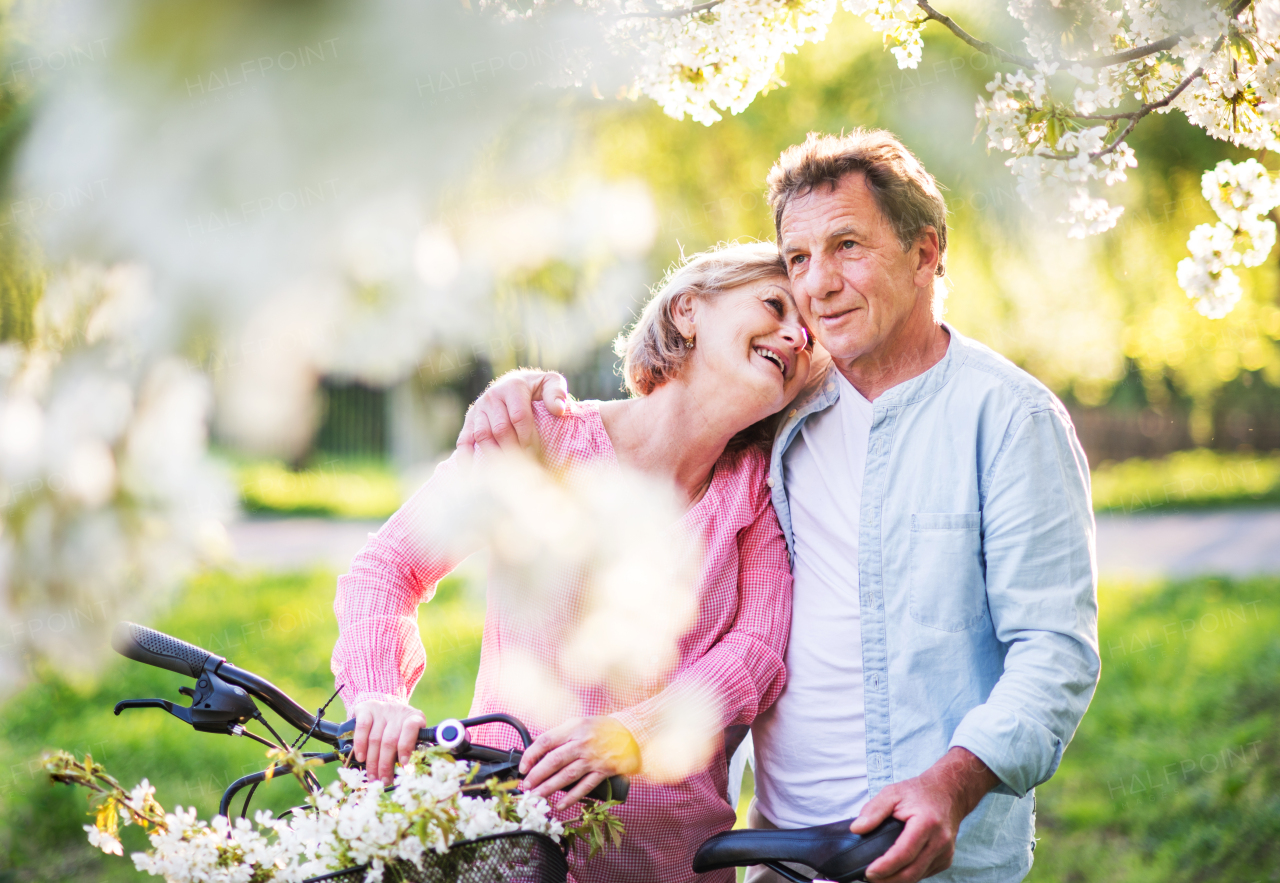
(354, 425)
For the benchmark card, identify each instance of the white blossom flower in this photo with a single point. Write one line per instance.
(108, 843)
(1214, 295)
(353, 821)
(1082, 73)
(1267, 15)
(722, 58)
(142, 795)
(1240, 192)
(901, 23)
(1243, 195)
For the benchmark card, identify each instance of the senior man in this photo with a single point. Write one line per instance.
(935, 500)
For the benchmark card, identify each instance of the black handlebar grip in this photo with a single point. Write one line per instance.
(614, 787)
(142, 644)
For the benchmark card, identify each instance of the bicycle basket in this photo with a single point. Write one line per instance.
(515, 857)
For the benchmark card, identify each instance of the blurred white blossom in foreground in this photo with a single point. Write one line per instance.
(282, 193)
(336, 191)
(597, 578)
(106, 495)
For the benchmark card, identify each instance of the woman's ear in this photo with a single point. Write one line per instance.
(684, 311)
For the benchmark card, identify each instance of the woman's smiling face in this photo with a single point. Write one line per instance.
(750, 343)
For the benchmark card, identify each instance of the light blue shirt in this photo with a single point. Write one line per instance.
(978, 586)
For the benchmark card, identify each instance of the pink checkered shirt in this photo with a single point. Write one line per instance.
(734, 648)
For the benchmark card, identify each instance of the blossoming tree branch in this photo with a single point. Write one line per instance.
(1088, 73)
(352, 824)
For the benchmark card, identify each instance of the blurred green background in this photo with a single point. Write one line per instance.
(1173, 775)
(1173, 409)
(1102, 321)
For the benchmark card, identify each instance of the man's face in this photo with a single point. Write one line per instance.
(855, 287)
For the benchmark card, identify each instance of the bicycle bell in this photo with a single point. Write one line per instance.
(452, 735)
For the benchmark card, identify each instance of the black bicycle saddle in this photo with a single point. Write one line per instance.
(830, 850)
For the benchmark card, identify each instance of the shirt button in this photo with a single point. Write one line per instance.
(794, 412)
(769, 481)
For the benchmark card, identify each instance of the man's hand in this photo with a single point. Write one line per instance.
(587, 748)
(385, 732)
(932, 804)
(502, 418)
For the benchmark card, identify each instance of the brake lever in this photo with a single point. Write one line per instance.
(181, 712)
(216, 706)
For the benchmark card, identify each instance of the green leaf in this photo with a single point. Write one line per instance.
(1242, 48)
(596, 825)
(1053, 131)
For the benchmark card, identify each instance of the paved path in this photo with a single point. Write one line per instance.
(1235, 542)
(291, 543)
(1238, 542)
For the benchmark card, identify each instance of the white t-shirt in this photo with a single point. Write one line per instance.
(811, 746)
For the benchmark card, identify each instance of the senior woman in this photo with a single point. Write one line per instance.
(717, 351)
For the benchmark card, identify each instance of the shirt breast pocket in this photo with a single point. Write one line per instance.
(947, 589)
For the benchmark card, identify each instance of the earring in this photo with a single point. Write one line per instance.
(688, 343)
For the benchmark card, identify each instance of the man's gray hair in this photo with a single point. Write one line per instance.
(906, 194)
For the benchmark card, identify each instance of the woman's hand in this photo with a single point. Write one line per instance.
(385, 732)
(502, 418)
(587, 748)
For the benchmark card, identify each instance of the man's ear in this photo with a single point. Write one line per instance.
(929, 251)
(684, 310)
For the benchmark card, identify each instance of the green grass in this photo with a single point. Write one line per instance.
(1199, 479)
(1174, 775)
(333, 488)
(1175, 772)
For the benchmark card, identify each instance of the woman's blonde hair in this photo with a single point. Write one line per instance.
(653, 350)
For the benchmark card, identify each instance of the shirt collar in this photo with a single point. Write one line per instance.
(826, 393)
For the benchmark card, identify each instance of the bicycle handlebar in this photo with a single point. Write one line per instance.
(330, 732)
(142, 644)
